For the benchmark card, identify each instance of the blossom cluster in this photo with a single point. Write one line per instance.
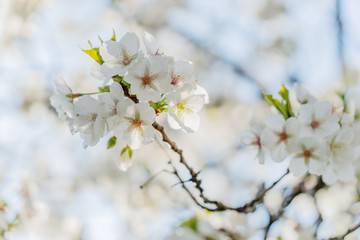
(136, 88)
(317, 137)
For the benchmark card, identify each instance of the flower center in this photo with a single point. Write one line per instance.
(283, 136)
(175, 79)
(136, 123)
(94, 116)
(126, 60)
(315, 124)
(146, 80)
(307, 154)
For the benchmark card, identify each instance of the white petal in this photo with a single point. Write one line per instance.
(292, 126)
(297, 167)
(329, 176)
(275, 122)
(158, 64)
(110, 50)
(346, 172)
(109, 69)
(85, 105)
(150, 43)
(316, 167)
(131, 43)
(279, 153)
(175, 125)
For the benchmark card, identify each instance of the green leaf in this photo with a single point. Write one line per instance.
(100, 40)
(113, 38)
(284, 93)
(191, 223)
(130, 152)
(104, 89)
(283, 106)
(111, 142)
(94, 54)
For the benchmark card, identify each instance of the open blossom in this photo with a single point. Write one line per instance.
(62, 100)
(278, 134)
(149, 78)
(108, 102)
(317, 119)
(151, 45)
(135, 127)
(119, 56)
(308, 155)
(183, 108)
(342, 156)
(89, 123)
(181, 72)
(252, 137)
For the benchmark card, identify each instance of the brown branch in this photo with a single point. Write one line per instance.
(219, 206)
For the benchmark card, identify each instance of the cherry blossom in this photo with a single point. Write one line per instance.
(135, 127)
(252, 138)
(89, 123)
(62, 100)
(119, 56)
(149, 78)
(308, 155)
(318, 119)
(183, 108)
(277, 135)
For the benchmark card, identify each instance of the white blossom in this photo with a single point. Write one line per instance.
(135, 127)
(318, 119)
(107, 105)
(119, 56)
(151, 45)
(149, 78)
(278, 134)
(181, 72)
(183, 108)
(308, 155)
(342, 156)
(252, 137)
(62, 100)
(89, 123)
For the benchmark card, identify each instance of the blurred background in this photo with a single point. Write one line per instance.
(54, 189)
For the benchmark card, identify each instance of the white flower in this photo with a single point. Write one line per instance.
(62, 100)
(303, 95)
(318, 119)
(135, 127)
(183, 107)
(149, 78)
(252, 137)
(199, 90)
(119, 56)
(340, 165)
(88, 123)
(108, 102)
(310, 155)
(277, 135)
(181, 73)
(151, 45)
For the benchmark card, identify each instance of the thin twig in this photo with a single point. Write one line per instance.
(153, 177)
(219, 206)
